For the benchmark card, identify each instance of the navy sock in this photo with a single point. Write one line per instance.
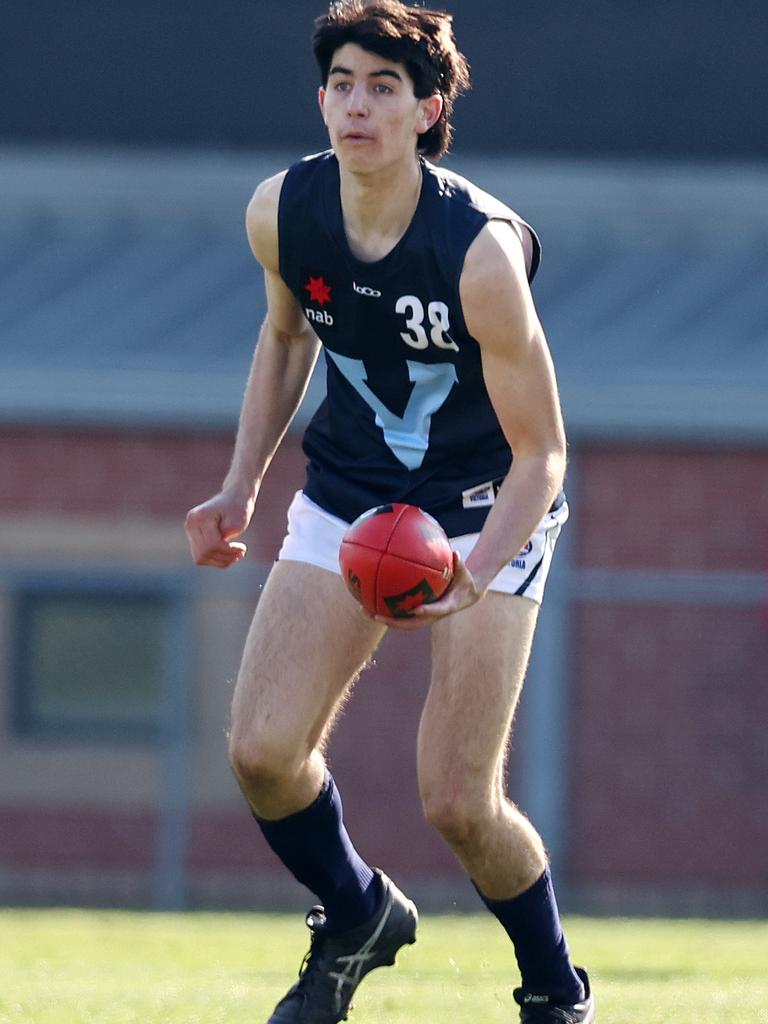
(532, 922)
(315, 847)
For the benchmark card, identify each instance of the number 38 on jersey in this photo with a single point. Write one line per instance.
(420, 331)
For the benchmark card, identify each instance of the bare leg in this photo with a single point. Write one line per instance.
(306, 646)
(479, 661)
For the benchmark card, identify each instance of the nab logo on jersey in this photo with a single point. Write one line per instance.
(318, 316)
(319, 292)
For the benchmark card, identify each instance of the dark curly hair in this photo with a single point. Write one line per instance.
(420, 38)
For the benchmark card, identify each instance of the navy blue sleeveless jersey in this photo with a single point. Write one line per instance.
(406, 416)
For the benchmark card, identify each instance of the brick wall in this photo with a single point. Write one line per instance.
(680, 508)
(669, 701)
(134, 474)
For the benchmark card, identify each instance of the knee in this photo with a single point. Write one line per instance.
(262, 767)
(458, 815)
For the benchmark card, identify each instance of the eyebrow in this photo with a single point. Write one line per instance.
(337, 69)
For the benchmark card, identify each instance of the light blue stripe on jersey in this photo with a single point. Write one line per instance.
(408, 435)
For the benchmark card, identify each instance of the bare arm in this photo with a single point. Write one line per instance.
(282, 365)
(283, 360)
(517, 367)
(520, 378)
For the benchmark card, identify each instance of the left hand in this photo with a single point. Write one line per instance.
(461, 593)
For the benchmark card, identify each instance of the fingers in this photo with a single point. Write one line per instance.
(423, 615)
(461, 593)
(224, 556)
(208, 544)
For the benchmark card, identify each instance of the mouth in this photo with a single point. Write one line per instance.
(357, 137)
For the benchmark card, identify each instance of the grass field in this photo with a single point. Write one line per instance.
(83, 967)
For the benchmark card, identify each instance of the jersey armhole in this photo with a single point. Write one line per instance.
(282, 224)
(529, 242)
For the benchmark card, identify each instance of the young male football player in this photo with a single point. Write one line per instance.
(440, 393)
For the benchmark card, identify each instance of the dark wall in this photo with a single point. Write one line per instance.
(624, 77)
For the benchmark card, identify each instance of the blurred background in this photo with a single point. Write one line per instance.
(632, 136)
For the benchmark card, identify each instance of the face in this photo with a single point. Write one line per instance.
(369, 107)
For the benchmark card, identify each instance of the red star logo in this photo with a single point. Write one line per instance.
(318, 290)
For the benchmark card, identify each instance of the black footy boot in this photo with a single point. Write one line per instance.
(551, 1008)
(336, 964)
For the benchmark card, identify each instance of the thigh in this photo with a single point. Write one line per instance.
(479, 658)
(306, 645)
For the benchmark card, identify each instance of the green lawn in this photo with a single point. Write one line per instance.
(83, 967)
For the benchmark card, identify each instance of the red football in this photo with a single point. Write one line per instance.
(394, 558)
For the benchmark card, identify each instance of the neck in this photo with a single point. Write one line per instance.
(377, 208)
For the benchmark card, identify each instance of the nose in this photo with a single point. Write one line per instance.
(357, 105)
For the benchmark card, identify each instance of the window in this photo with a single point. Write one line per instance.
(91, 663)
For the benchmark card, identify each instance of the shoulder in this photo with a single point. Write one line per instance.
(494, 287)
(262, 208)
(261, 220)
(277, 202)
(497, 253)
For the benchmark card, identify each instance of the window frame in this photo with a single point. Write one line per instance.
(27, 725)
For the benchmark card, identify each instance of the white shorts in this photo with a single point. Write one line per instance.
(314, 536)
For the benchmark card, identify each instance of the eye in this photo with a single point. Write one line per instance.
(341, 86)
(380, 87)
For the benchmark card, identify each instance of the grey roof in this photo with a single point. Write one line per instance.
(128, 293)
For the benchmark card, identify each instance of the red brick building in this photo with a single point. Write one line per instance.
(130, 308)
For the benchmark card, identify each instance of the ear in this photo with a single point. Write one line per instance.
(321, 101)
(430, 110)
